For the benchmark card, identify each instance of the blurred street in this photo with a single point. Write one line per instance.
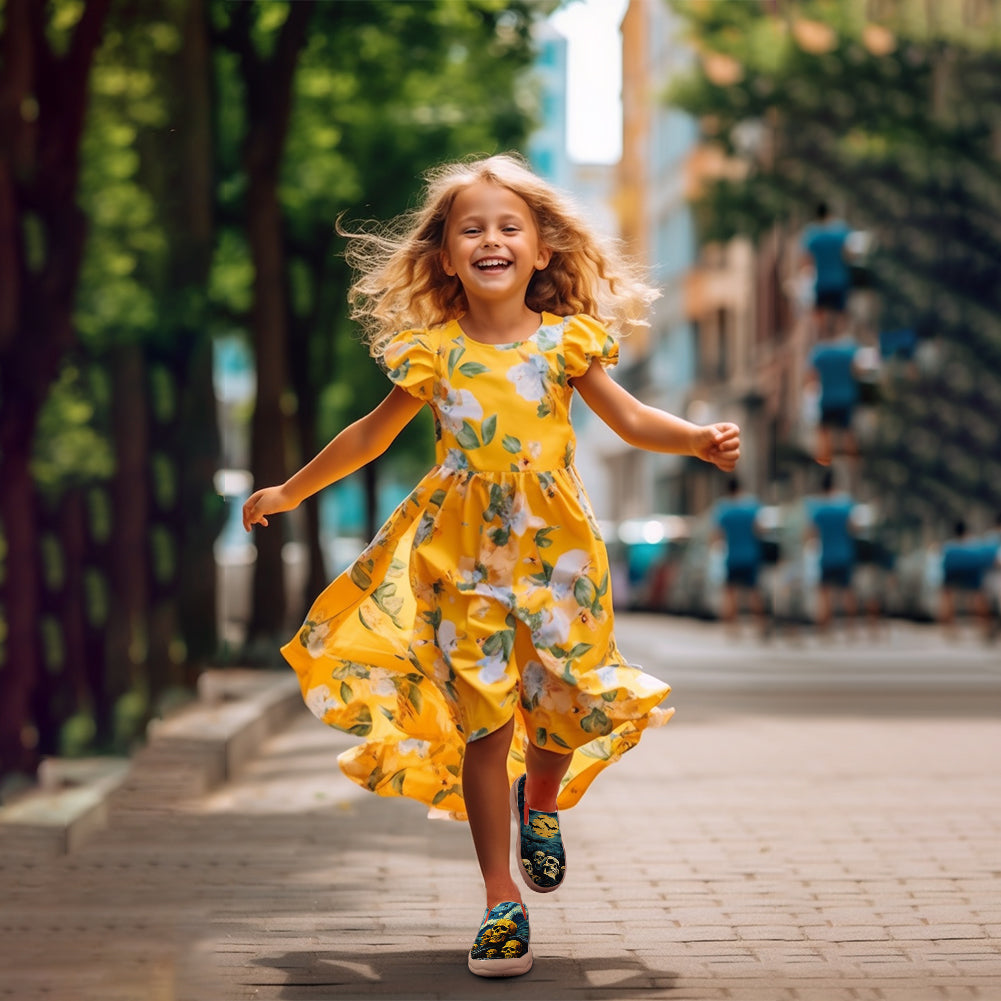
(822, 821)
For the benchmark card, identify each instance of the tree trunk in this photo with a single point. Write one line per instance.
(269, 96)
(39, 169)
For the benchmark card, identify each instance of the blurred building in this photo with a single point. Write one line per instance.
(547, 146)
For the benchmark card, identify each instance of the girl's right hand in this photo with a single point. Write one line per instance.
(270, 500)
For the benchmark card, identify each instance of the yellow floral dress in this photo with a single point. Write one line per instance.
(486, 594)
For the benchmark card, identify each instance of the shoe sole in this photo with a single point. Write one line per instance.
(516, 848)
(501, 967)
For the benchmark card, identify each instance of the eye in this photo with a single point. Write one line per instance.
(470, 231)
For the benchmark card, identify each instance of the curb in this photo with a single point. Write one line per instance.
(204, 744)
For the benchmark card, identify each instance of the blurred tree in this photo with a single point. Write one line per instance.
(46, 52)
(895, 119)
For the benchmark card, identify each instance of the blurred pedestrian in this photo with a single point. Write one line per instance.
(471, 645)
(736, 518)
(966, 561)
(831, 522)
(825, 244)
(835, 376)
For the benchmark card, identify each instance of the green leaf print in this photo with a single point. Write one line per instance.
(511, 444)
(364, 725)
(437, 498)
(346, 692)
(440, 795)
(488, 429)
(471, 369)
(609, 696)
(596, 722)
(453, 359)
(559, 741)
(500, 536)
(396, 782)
(542, 539)
(466, 436)
(540, 736)
(453, 770)
(360, 578)
(388, 713)
(415, 698)
(544, 409)
(578, 650)
(584, 591)
(386, 599)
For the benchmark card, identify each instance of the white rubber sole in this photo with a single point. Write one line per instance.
(514, 967)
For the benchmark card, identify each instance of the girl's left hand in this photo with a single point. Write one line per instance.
(718, 444)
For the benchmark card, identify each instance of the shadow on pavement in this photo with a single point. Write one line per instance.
(314, 975)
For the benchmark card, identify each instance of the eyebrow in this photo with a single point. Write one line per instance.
(508, 217)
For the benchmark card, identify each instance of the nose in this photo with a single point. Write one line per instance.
(490, 238)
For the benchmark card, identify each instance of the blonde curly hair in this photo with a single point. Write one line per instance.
(400, 282)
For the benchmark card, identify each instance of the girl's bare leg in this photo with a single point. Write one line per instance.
(485, 790)
(545, 771)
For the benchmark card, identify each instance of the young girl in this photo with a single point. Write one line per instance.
(471, 643)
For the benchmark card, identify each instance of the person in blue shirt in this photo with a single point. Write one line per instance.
(831, 518)
(966, 562)
(824, 242)
(834, 369)
(736, 517)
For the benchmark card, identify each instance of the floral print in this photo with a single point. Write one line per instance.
(486, 594)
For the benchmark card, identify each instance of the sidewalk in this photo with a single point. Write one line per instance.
(779, 849)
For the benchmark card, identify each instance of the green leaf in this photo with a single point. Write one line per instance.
(488, 429)
(540, 736)
(453, 357)
(578, 650)
(511, 444)
(471, 369)
(558, 740)
(584, 591)
(360, 578)
(466, 436)
(542, 539)
(346, 692)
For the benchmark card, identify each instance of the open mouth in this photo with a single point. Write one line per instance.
(493, 264)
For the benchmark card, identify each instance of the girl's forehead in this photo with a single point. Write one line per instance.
(488, 197)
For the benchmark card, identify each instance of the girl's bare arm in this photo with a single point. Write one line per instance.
(356, 445)
(656, 430)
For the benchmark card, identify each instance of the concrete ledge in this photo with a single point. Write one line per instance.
(205, 743)
(70, 804)
(236, 710)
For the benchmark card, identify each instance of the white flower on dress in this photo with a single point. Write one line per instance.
(554, 625)
(458, 405)
(516, 514)
(316, 640)
(448, 639)
(492, 668)
(455, 460)
(530, 378)
(549, 337)
(544, 690)
(569, 568)
(413, 745)
(381, 682)
(320, 700)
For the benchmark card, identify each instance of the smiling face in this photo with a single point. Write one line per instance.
(492, 243)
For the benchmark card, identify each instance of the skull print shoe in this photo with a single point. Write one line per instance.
(501, 948)
(538, 843)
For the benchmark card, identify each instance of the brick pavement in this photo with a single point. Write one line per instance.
(799, 848)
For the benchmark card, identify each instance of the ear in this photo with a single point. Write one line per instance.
(542, 261)
(446, 264)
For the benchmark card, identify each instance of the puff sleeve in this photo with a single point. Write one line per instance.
(409, 361)
(586, 340)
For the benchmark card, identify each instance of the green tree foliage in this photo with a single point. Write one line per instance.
(896, 120)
